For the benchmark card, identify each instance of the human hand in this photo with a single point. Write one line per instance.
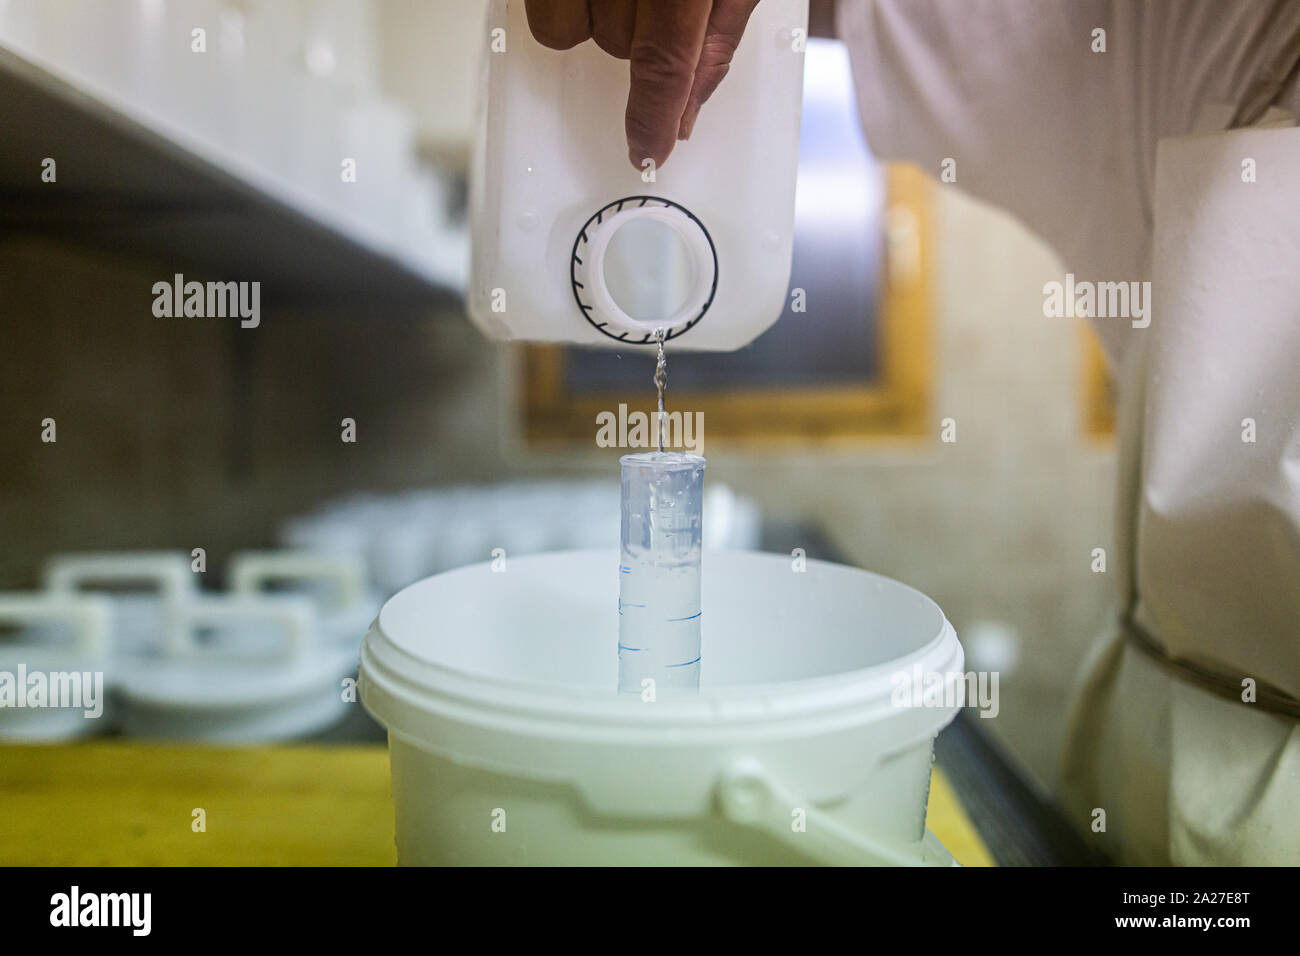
(679, 51)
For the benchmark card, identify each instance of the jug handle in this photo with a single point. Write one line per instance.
(89, 615)
(169, 573)
(295, 617)
(251, 570)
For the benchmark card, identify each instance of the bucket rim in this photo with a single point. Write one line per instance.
(433, 686)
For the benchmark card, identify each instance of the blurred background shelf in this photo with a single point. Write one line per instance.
(130, 180)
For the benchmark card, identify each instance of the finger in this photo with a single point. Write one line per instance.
(612, 25)
(726, 27)
(558, 24)
(665, 49)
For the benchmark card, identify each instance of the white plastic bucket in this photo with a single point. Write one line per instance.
(509, 743)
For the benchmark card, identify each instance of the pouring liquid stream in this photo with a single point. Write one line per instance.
(661, 383)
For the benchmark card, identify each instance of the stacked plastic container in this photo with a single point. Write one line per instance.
(164, 659)
(268, 657)
(404, 537)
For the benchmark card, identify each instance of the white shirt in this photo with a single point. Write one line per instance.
(1066, 139)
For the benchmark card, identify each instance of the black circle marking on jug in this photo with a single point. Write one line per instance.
(575, 260)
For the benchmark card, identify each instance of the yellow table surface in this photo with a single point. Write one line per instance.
(119, 803)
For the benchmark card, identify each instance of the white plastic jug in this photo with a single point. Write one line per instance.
(572, 243)
(509, 743)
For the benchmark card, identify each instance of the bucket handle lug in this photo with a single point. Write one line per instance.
(749, 796)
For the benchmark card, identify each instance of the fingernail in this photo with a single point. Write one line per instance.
(687, 125)
(644, 159)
